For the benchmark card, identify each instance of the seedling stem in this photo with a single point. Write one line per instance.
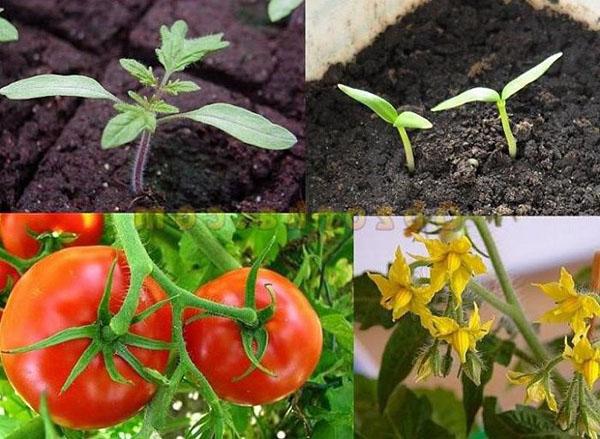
(410, 159)
(510, 138)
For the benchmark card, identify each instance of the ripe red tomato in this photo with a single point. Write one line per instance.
(295, 340)
(8, 275)
(62, 291)
(15, 228)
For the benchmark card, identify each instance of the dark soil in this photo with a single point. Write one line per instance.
(443, 48)
(50, 155)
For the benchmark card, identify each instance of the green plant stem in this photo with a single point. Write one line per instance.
(512, 142)
(513, 308)
(22, 265)
(410, 159)
(210, 247)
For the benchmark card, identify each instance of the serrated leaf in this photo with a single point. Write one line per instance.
(279, 9)
(529, 76)
(399, 356)
(447, 410)
(43, 86)
(139, 71)
(380, 106)
(480, 94)
(177, 52)
(176, 87)
(244, 125)
(163, 107)
(8, 32)
(123, 128)
(341, 328)
(408, 119)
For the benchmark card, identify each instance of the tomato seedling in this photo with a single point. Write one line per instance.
(8, 32)
(279, 9)
(483, 94)
(141, 117)
(403, 121)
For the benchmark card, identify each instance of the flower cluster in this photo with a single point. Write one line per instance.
(450, 264)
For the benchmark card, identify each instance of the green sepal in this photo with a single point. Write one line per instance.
(104, 314)
(68, 334)
(259, 336)
(111, 367)
(148, 374)
(151, 310)
(88, 355)
(145, 342)
(265, 314)
(250, 297)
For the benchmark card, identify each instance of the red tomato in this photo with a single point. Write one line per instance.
(295, 340)
(8, 275)
(15, 227)
(63, 291)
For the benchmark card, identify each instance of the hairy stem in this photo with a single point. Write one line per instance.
(141, 159)
(512, 142)
(410, 159)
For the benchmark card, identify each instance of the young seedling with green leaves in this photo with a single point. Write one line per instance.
(402, 121)
(141, 117)
(8, 32)
(279, 9)
(483, 94)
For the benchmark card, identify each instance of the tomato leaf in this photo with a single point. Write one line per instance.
(176, 87)
(7, 31)
(399, 356)
(380, 106)
(244, 125)
(341, 328)
(529, 76)
(124, 128)
(42, 86)
(279, 9)
(139, 71)
(481, 94)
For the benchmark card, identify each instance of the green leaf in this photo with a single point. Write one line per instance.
(523, 422)
(7, 31)
(139, 71)
(341, 328)
(447, 410)
(410, 416)
(176, 87)
(408, 119)
(244, 125)
(481, 94)
(399, 356)
(163, 107)
(279, 9)
(177, 52)
(529, 76)
(368, 310)
(380, 106)
(123, 128)
(56, 85)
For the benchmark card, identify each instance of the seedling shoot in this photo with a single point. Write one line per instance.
(140, 117)
(483, 94)
(403, 121)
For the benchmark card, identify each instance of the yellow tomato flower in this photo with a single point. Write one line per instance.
(538, 387)
(462, 338)
(451, 262)
(584, 357)
(400, 295)
(573, 307)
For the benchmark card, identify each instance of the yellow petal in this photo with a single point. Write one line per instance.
(535, 392)
(518, 378)
(438, 276)
(551, 401)
(554, 290)
(424, 314)
(591, 372)
(590, 306)
(443, 326)
(458, 282)
(399, 272)
(474, 263)
(560, 314)
(460, 245)
(385, 287)
(474, 320)
(453, 261)
(566, 281)
(461, 343)
(583, 350)
(437, 249)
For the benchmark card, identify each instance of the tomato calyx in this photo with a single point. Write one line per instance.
(103, 341)
(255, 338)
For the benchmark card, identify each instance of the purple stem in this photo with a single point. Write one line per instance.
(141, 158)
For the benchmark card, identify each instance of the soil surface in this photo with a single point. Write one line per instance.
(50, 155)
(462, 164)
